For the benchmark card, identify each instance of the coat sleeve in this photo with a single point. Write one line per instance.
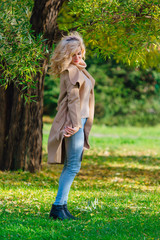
(74, 106)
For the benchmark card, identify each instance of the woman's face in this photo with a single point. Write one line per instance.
(76, 58)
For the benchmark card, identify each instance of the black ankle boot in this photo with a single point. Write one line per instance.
(67, 212)
(57, 212)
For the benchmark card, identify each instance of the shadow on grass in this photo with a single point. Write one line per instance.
(140, 169)
(144, 170)
(131, 167)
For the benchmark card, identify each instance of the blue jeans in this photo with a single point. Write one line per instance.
(72, 164)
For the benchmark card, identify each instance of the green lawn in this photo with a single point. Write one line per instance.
(115, 195)
(121, 141)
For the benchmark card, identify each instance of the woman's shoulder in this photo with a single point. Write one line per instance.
(71, 73)
(70, 68)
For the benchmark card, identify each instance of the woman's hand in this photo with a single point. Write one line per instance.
(70, 131)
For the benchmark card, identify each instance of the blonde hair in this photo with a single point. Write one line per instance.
(62, 55)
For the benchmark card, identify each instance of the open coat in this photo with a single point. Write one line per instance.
(69, 112)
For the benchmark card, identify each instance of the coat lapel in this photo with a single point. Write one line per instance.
(75, 74)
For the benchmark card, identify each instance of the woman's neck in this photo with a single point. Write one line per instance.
(81, 65)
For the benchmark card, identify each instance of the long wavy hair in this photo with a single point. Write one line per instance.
(62, 55)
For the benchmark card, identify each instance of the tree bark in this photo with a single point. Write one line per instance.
(20, 123)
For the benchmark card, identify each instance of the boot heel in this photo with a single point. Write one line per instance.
(67, 212)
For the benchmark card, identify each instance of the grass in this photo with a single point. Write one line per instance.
(115, 195)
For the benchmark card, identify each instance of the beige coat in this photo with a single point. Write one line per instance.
(69, 113)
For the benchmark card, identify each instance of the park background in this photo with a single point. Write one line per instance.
(116, 193)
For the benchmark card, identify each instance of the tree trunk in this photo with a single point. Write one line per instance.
(20, 123)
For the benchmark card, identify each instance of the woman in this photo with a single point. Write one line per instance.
(70, 129)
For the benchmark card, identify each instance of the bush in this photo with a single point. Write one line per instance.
(123, 96)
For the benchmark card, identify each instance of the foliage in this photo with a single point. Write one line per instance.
(126, 30)
(110, 28)
(20, 52)
(114, 197)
